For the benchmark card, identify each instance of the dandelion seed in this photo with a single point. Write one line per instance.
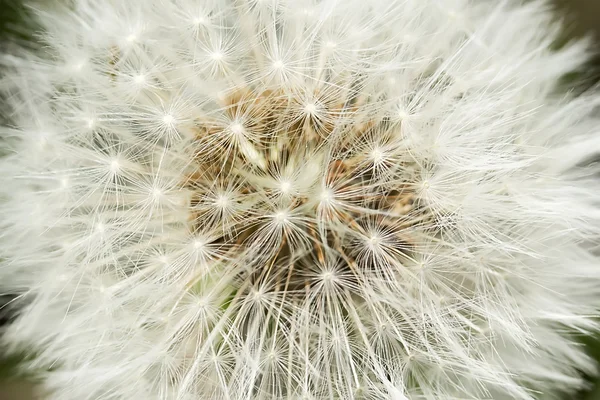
(139, 79)
(217, 55)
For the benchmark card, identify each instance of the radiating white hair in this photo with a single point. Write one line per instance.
(300, 199)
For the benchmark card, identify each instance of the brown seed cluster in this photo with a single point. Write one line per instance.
(322, 181)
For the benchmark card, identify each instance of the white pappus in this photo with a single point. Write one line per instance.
(300, 199)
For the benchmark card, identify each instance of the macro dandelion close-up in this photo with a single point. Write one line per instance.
(299, 199)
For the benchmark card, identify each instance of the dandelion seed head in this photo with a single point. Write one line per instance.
(299, 199)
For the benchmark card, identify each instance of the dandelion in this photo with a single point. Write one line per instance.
(307, 199)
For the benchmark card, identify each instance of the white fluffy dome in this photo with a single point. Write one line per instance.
(285, 199)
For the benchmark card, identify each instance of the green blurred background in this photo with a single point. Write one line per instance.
(581, 17)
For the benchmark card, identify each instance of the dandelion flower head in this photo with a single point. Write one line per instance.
(299, 199)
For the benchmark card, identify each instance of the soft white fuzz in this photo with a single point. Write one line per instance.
(285, 199)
